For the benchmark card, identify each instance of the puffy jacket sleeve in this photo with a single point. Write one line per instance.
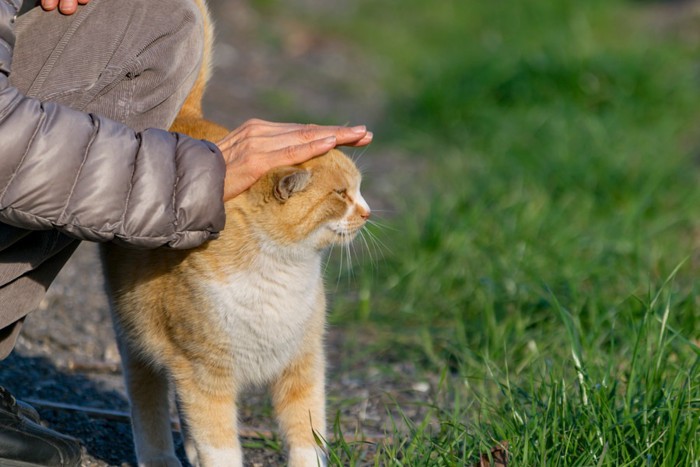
(95, 179)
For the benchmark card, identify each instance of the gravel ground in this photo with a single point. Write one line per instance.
(267, 66)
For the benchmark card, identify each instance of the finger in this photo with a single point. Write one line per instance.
(363, 142)
(67, 7)
(49, 5)
(352, 136)
(307, 133)
(260, 127)
(254, 128)
(277, 142)
(83, 2)
(292, 155)
(265, 138)
(290, 134)
(298, 138)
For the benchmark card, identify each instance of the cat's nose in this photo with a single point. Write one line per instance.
(361, 207)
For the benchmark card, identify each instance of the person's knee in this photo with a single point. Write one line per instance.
(171, 43)
(163, 34)
(122, 59)
(179, 22)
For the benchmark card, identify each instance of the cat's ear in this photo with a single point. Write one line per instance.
(291, 181)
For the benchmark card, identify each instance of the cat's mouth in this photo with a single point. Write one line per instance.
(339, 232)
(344, 234)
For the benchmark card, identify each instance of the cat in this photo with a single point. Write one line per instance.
(245, 309)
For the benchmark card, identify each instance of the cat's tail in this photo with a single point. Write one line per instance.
(193, 104)
(190, 119)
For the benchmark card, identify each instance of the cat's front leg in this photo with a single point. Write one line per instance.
(300, 404)
(207, 402)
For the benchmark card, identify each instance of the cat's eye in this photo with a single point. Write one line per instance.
(342, 192)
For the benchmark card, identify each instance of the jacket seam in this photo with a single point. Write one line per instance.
(131, 182)
(7, 46)
(175, 185)
(42, 118)
(176, 224)
(16, 100)
(96, 128)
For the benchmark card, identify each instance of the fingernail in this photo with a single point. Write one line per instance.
(66, 7)
(359, 129)
(329, 140)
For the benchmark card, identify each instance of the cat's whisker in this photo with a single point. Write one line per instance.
(382, 225)
(351, 271)
(342, 247)
(377, 248)
(356, 157)
(373, 241)
(368, 249)
(356, 248)
(328, 259)
(383, 211)
(340, 266)
(381, 246)
(363, 168)
(351, 248)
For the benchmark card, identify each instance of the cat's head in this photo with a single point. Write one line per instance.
(317, 203)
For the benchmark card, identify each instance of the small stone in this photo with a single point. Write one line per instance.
(421, 386)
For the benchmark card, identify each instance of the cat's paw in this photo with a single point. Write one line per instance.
(307, 457)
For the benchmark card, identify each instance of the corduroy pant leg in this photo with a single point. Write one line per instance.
(133, 61)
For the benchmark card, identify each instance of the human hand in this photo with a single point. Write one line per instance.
(258, 146)
(67, 7)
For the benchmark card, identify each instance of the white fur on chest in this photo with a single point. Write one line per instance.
(265, 311)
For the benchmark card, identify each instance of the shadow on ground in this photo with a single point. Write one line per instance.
(38, 378)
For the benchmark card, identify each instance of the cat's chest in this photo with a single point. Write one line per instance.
(264, 311)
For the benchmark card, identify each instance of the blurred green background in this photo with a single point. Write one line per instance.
(536, 163)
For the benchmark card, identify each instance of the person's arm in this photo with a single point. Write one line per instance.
(95, 179)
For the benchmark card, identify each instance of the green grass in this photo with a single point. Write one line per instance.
(545, 262)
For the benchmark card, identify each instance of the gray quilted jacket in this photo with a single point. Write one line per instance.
(104, 182)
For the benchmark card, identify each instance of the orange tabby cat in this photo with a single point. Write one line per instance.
(245, 309)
